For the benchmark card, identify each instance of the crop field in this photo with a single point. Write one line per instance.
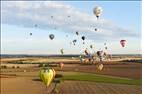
(74, 78)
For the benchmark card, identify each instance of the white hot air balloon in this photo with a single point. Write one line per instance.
(97, 11)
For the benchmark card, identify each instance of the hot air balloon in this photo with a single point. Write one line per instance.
(62, 51)
(83, 38)
(74, 41)
(99, 67)
(35, 25)
(54, 72)
(81, 58)
(97, 11)
(106, 48)
(46, 75)
(86, 52)
(91, 46)
(77, 33)
(52, 17)
(51, 36)
(100, 54)
(61, 65)
(31, 34)
(123, 42)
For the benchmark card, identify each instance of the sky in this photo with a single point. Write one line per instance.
(120, 20)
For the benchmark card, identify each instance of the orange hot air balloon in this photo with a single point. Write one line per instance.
(61, 65)
(123, 42)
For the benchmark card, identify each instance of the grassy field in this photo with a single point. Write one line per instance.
(99, 78)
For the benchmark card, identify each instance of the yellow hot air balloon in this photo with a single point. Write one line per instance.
(40, 74)
(46, 75)
(54, 72)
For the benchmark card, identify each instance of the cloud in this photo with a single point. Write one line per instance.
(66, 18)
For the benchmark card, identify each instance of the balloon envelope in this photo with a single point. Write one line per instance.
(61, 65)
(123, 42)
(62, 51)
(51, 16)
(77, 33)
(51, 36)
(100, 67)
(54, 72)
(97, 11)
(83, 37)
(46, 75)
(74, 41)
(106, 48)
(91, 46)
(35, 25)
(31, 34)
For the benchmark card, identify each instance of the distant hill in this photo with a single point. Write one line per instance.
(67, 55)
(23, 55)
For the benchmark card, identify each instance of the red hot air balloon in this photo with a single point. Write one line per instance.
(123, 42)
(61, 65)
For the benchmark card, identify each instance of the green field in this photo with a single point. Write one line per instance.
(77, 76)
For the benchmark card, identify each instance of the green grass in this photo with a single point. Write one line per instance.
(99, 78)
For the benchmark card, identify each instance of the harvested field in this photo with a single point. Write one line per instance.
(25, 80)
(128, 70)
(28, 85)
(80, 87)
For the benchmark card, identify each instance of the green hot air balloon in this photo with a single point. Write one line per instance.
(62, 51)
(91, 46)
(47, 75)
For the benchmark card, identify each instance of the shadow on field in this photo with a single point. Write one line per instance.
(58, 76)
(36, 79)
